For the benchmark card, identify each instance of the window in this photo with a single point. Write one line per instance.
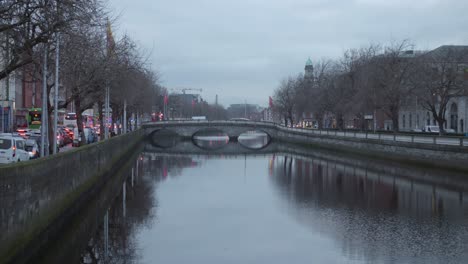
(5, 143)
(70, 116)
(20, 144)
(404, 121)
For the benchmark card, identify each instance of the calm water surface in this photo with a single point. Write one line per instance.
(283, 208)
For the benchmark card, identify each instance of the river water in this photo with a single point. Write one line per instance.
(291, 205)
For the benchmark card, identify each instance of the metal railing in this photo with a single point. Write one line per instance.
(396, 137)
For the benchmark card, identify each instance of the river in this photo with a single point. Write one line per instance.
(293, 205)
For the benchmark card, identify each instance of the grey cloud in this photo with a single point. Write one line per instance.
(241, 49)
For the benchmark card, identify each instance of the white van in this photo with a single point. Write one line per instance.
(12, 149)
(431, 129)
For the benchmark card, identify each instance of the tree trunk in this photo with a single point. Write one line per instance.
(339, 121)
(319, 117)
(79, 121)
(440, 122)
(394, 114)
(395, 124)
(114, 118)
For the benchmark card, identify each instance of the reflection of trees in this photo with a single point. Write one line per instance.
(331, 184)
(139, 211)
(372, 214)
(160, 167)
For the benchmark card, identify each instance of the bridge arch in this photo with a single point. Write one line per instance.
(256, 142)
(164, 138)
(210, 138)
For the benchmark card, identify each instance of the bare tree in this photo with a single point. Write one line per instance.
(389, 79)
(438, 77)
(26, 24)
(285, 98)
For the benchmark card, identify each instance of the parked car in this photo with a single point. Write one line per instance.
(450, 131)
(66, 137)
(60, 140)
(32, 148)
(431, 129)
(69, 132)
(12, 149)
(37, 138)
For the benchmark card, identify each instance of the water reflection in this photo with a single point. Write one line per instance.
(377, 217)
(254, 139)
(115, 239)
(134, 209)
(210, 139)
(165, 138)
(282, 208)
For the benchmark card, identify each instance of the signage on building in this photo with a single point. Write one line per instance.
(368, 117)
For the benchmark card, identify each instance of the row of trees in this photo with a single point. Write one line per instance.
(90, 58)
(375, 78)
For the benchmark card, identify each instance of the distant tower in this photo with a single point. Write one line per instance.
(309, 70)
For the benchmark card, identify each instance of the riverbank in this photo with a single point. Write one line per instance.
(38, 198)
(421, 154)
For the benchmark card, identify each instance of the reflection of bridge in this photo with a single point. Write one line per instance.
(232, 148)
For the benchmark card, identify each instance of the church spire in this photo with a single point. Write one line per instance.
(309, 70)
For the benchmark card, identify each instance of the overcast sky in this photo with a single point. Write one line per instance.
(241, 49)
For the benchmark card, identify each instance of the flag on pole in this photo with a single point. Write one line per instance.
(110, 38)
(166, 99)
(270, 102)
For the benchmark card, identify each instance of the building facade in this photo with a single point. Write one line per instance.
(413, 116)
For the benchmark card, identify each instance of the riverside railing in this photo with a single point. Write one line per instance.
(396, 137)
(378, 136)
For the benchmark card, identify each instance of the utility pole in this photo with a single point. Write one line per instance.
(125, 117)
(44, 104)
(7, 86)
(57, 61)
(106, 127)
(56, 86)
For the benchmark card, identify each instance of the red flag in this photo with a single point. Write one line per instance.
(166, 99)
(109, 38)
(270, 102)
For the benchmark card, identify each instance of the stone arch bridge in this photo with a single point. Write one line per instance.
(232, 128)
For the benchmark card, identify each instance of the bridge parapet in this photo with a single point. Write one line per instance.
(231, 128)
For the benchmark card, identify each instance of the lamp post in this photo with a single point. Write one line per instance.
(44, 105)
(56, 90)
